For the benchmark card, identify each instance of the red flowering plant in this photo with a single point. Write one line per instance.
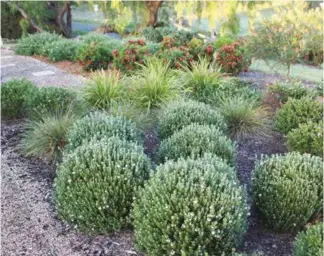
(231, 58)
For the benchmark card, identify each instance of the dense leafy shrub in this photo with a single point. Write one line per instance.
(307, 138)
(103, 89)
(243, 118)
(222, 41)
(152, 34)
(36, 43)
(95, 184)
(182, 37)
(94, 37)
(182, 113)
(190, 207)
(310, 242)
(51, 100)
(231, 58)
(297, 111)
(64, 49)
(153, 85)
(97, 125)
(13, 97)
(256, 253)
(288, 189)
(46, 137)
(195, 140)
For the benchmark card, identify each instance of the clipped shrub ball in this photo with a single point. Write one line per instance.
(96, 183)
(97, 125)
(288, 189)
(190, 207)
(194, 140)
(310, 242)
(297, 111)
(64, 49)
(179, 114)
(307, 138)
(13, 97)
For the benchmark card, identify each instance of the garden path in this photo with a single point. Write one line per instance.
(42, 74)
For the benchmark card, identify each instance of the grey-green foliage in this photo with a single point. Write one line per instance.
(190, 207)
(288, 189)
(182, 113)
(297, 111)
(195, 140)
(97, 125)
(64, 49)
(310, 242)
(96, 183)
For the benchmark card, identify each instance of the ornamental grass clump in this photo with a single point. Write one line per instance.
(182, 113)
(194, 140)
(307, 138)
(97, 125)
(190, 207)
(297, 111)
(288, 189)
(310, 242)
(97, 182)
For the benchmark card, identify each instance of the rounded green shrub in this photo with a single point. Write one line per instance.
(182, 113)
(97, 125)
(222, 41)
(96, 183)
(190, 207)
(310, 242)
(195, 140)
(307, 138)
(297, 111)
(288, 189)
(64, 49)
(13, 97)
(51, 100)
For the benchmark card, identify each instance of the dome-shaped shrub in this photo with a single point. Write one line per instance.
(307, 138)
(179, 114)
(288, 189)
(310, 242)
(98, 125)
(195, 140)
(297, 111)
(95, 184)
(190, 207)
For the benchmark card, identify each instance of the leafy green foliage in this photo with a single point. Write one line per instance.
(310, 242)
(222, 41)
(190, 207)
(307, 138)
(36, 43)
(103, 89)
(94, 38)
(97, 125)
(298, 111)
(152, 34)
(46, 137)
(13, 97)
(64, 49)
(96, 183)
(288, 189)
(153, 85)
(194, 140)
(179, 114)
(244, 118)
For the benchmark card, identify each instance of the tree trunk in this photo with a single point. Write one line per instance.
(65, 27)
(29, 19)
(153, 7)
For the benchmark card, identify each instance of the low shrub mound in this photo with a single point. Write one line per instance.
(288, 189)
(64, 49)
(297, 111)
(307, 138)
(97, 125)
(182, 113)
(222, 41)
(36, 43)
(190, 207)
(194, 140)
(48, 100)
(95, 184)
(14, 94)
(310, 242)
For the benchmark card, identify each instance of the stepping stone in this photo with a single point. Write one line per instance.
(6, 57)
(8, 65)
(44, 73)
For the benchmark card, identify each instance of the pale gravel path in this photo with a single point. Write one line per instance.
(24, 66)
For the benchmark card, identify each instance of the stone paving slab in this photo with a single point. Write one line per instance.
(42, 74)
